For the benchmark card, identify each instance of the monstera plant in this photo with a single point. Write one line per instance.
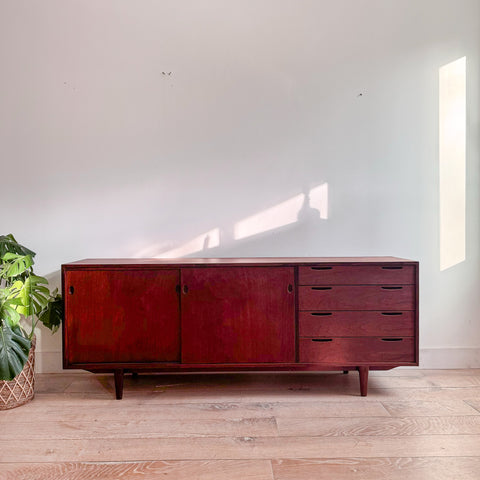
(25, 300)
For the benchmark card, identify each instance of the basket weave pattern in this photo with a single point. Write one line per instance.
(20, 390)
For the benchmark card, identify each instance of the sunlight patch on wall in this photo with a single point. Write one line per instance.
(319, 200)
(302, 208)
(205, 241)
(151, 250)
(452, 164)
(280, 215)
(313, 204)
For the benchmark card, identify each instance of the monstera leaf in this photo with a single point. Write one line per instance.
(8, 306)
(14, 348)
(52, 316)
(33, 294)
(9, 244)
(14, 264)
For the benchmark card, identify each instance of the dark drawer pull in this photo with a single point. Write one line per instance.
(321, 288)
(392, 313)
(322, 339)
(321, 314)
(71, 290)
(392, 288)
(392, 268)
(392, 339)
(321, 268)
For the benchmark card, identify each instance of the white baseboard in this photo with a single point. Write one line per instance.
(434, 358)
(450, 357)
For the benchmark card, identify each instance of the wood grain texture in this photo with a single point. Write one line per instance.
(392, 468)
(379, 426)
(156, 262)
(357, 297)
(474, 403)
(134, 427)
(430, 394)
(356, 324)
(178, 470)
(456, 381)
(85, 411)
(238, 315)
(281, 427)
(356, 274)
(401, 385)
(240, 448)
(110, 316)
(424, 408)
(347, 350)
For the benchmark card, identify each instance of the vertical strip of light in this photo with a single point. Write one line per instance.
(452, 139)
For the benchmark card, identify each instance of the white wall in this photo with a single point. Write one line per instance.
(104, 153)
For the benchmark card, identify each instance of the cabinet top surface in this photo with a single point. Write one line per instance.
(240, 261)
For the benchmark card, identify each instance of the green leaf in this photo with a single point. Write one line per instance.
(52, 316)
(14, 349)
(14, 264)
(8, 308)
(9, 244)
(34, 295)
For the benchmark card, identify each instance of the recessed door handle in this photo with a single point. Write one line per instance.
(322, 339)
(290, 288)
(321, 314)
(392, 288)
(392, 339)
(321, 288)
(71, 290)
(392, 313)
(185, 289)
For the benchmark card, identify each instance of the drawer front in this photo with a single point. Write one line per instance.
(361, 297)
(356, 274)
(345, 351)
(356, 324)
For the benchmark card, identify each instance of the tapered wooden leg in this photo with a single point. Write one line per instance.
(363, 374)
(118, 383)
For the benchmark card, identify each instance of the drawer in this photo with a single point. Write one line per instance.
(356, 274)
(357, 297)
(352, 351)
(356, 324)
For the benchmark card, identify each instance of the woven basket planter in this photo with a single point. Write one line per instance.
(20, 390)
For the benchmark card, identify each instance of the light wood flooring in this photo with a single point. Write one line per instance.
(413, 425)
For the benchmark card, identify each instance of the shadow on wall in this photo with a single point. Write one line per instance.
(305, 210)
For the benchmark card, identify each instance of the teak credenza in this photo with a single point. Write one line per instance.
(240, 314)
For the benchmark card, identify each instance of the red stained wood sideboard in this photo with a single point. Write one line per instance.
(240, 314)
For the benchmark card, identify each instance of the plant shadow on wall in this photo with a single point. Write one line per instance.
(306, 209)
(25, 300)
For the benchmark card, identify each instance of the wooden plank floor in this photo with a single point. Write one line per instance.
(414, 424)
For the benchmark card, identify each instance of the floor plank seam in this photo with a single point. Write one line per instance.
(197, 460)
